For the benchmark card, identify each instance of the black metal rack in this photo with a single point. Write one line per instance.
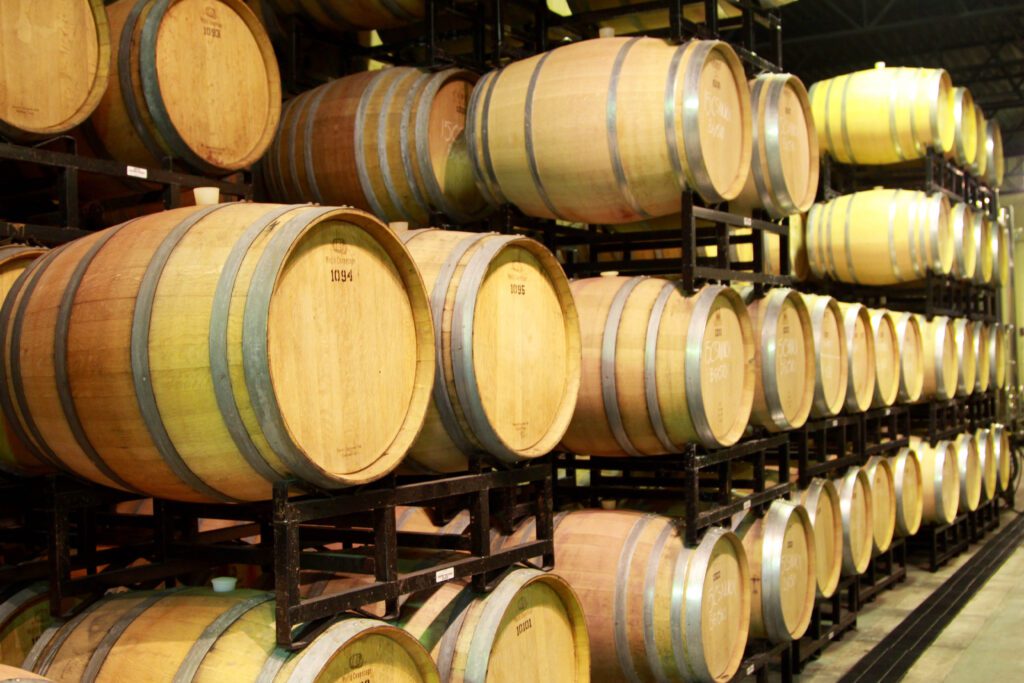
(885, 571)
(44, 204)
(939, 420)
(983, 520)
(886, 430)
(678, 479)
(832, 618)
(940, 543)
(293, 534)
(762, 658)
(828, 446)
(934, 295)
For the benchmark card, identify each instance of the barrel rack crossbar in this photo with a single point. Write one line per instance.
(827, 447)
(940, 543)
(293, 534)
(983, 520)
(831, 619)
(700, 481)
(700, 229)
(27, 208)
(884, 571)
(763, 658)
(932, 174)
(932, 296)
(944, 420)
(886, 430)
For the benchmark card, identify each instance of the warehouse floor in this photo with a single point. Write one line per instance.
(982, 642)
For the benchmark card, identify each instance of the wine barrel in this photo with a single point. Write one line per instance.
(911, 351)
(345, 15)
(155, 108)
(530, 628)
(10, 674)
(982, 362)
(784, 360)
(198, 634)
(969, 465)
(883, 502)
(1004, 455)
(940, 475)
(821, 500)
(965, 122)
(963, 225)
(390, 142)
(56, 65)
(880, 237)
(799, 267)
(985, 257)
(781, 552)
(1000, 255)
(656, 609)
(24, 616)
(502, 308)
(831, 364)
(689, 125)
(784, 168)
(884, 115)
(660, 370)
(963, 333)
(15, 456)
(941, 358)
(994, 163)
(981, 157)
(887, 358)
(860, 346)
(906, 473)
(176, 406)
(856, 509)
(1009, 336)
(985, 443)
(996, 355)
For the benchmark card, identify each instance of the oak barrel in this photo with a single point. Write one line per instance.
(965, 127)
(346, 15)
(997, 354)
(15, 456)
(24, 616)
(995, 165)
(940, 477)
(502, 309)
(884, 115)
(821, 500)
(883, 502)
(1004, 455)
(196, 634)
(55, 61)
(964, 227)
(157, 108)
(880, 237)
(911, 351)
(941, 358)
(831, 364)
(243, 344)
(530, 628)
(969, 465)
(982, 361)
(963, 333)
(856, 508)
(781, 552)
(391, 142)
(1001, 246)
(908, 482)
(981, 157)
(654, 608)
(784, 360)
(983, 229)
(985, 442)
(860, 349)
(887, 358)
(648, 120)
(660, 370)
(10, 674)
(785, 163)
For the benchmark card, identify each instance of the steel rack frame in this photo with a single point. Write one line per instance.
(827, 446)
(939, 420)
(677, 478)
(983, 520)
(941, 542)
(885, 571)
(886, 430)
(700, 228)
(932, 296)
(981, 409)
(59, 156)
(831, 619)
(761, 657)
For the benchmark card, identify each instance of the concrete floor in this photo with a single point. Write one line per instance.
(982, 643)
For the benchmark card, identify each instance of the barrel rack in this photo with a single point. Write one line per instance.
(90, 548)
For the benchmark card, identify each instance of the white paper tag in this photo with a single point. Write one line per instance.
(835, 423)
(751, 669)
(747, 221)
(443, 575)
(831, 635)
(888, 412)
(136, 172)
(746, 505)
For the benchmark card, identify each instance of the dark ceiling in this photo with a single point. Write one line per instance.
(980, 43)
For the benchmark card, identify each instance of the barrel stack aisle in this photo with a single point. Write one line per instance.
(542, 354)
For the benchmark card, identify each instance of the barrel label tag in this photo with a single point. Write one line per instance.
(442, 575)
(340, 275)
(210, 24)
(524, 626)
(137, 172)
(751, 669)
